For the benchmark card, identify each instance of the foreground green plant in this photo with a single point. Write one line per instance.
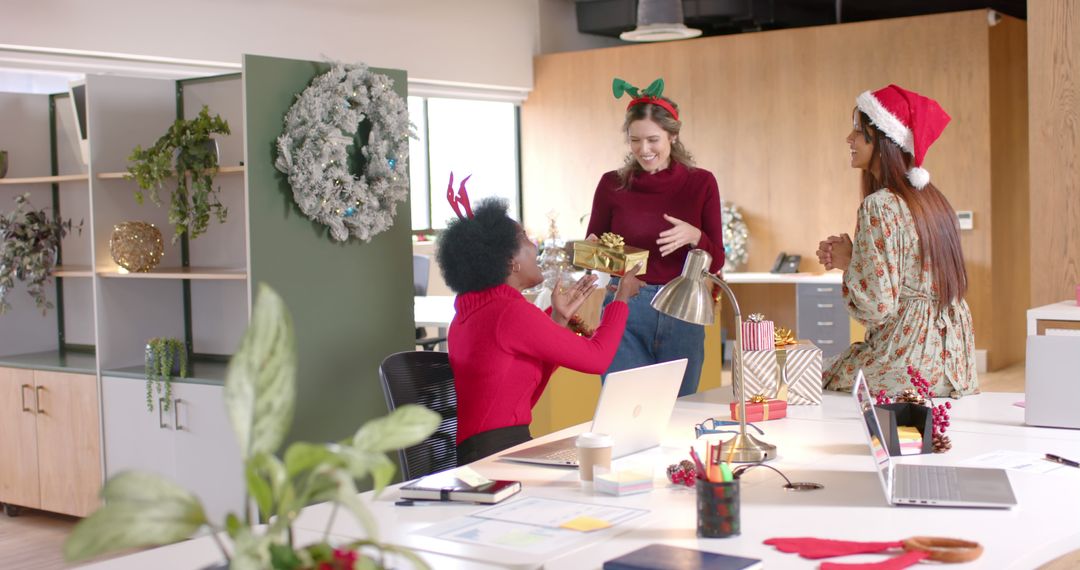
(195, 159)
(144, 509)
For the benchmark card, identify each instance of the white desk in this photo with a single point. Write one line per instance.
(831, 277)
(433, 310)
(1065, 314)
(824, 444)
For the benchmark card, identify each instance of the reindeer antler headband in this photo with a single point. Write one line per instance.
(462, 197)
(651, 94)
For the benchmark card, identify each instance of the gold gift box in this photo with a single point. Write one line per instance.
(613, 260)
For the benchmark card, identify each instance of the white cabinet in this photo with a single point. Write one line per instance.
(192, 443)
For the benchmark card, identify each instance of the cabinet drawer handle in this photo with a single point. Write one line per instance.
(161, 422)
(22, 393)
(176, 414)
(825, 341)
(824, 323)
(824, 305)
(825, 289)
(37, 399)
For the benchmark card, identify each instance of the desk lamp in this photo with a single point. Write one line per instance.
(688, 298)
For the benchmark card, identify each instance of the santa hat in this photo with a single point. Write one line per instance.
(911, 120)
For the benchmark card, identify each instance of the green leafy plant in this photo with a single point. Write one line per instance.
(28, 253)
(192, 201)
(144, 509)
(161, 355)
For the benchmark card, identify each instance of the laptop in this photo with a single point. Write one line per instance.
(1051, 388)
(929, 485)
(634, 408)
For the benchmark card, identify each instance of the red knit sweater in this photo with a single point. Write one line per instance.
(503, 350)
(637, 214)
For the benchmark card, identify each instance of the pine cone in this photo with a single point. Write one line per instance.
(942, 443)
(911, 396)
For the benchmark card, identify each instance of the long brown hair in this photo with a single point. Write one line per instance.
(935, 219)
(666, 121)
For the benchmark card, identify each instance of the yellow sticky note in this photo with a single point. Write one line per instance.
(585, 524)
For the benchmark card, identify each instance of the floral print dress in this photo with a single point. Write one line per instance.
(889, 290)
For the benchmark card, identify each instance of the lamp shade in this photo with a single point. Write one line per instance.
(688, 297)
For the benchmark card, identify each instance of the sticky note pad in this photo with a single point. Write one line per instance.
(585, 524)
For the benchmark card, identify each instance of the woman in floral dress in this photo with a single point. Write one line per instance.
(904, 275)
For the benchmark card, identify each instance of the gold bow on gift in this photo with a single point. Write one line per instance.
(756, 318)
(757, 399)
(783, 337)
(612, 240)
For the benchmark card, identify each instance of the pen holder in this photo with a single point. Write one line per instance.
(717, 509)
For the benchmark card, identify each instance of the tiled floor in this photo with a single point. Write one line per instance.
(34, 539)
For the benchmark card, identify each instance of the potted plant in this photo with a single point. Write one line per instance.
(186, 151)
(28, 253)
(165, 358)
(145, 509)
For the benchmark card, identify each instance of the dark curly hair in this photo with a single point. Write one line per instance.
(475, 254)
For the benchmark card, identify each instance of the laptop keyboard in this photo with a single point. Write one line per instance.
(926, 483)
(568, 454)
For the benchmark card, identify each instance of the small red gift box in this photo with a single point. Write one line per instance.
(759, 409)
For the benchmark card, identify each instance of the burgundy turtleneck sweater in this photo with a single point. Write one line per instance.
(503, 349)
(636, 213)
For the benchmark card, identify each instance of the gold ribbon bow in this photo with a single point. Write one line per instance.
(756, 317)
(758, 399)
(614, 241)
(783, 337)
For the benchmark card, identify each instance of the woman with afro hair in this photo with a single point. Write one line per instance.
(503, 349)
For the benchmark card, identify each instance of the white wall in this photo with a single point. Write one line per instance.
(487, 42)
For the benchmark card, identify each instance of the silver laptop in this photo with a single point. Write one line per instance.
(634, 408)
(929, 485)
(1050, 387)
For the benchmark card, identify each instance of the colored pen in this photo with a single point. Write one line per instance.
(713, 469)
(429, 502)
(697, 464)
(725, 470)
(1061, 460)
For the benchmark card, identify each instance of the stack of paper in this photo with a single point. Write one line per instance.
(911, 440)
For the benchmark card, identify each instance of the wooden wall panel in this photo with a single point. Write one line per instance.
(768, 113)
(1054, 107)
(1009, 192)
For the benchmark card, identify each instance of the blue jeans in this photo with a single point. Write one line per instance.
(651, 338)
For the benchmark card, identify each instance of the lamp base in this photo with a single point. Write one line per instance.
(747, 449)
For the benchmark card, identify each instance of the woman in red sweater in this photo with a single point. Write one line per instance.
(503, 349)
(659, 201)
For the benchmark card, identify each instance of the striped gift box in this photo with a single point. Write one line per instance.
(761, 373)
(757, 336)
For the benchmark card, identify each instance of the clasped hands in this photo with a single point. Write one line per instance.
(835, 252)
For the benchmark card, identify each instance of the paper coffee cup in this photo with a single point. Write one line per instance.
(594, 449)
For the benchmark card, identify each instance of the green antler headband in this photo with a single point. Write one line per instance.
(651, 94)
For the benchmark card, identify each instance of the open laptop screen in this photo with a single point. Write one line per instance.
(865, 405)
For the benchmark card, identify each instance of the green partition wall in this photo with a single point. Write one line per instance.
(352, 302)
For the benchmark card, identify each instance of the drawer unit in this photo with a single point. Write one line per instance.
(823, 317)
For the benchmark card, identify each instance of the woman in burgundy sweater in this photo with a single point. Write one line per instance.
(503, 349)
(660, 202)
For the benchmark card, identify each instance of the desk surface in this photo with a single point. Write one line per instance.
(833, 277)
(433, 310)
(824, 444)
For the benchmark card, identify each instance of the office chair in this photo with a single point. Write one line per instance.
(421, 265)
(424, 378)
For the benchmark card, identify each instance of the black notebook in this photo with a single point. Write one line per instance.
(447, 486)
(664, 557)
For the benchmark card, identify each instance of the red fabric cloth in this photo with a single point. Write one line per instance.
(637, 214)
(809, 547)
(503, 350)
(895, 563)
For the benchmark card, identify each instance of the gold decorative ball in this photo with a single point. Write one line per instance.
(136, 246)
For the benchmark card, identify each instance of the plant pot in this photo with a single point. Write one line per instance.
(3, 163)
(211, 146)
(176, 356)
(891, 416)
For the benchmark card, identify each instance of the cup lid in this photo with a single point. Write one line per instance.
(590, 439)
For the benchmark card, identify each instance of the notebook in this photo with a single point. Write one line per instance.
(462, 484)
(928, 485)
(634, 408)
(664, 557)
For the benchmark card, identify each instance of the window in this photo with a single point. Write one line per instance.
(467, 137)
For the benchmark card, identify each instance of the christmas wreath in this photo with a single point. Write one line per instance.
(314, 151)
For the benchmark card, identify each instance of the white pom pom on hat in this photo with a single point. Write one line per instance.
(919, 177)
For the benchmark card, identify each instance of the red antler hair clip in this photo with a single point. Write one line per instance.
(461, 198)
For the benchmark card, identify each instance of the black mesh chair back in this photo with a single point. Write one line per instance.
(424, 378)
(421, 270)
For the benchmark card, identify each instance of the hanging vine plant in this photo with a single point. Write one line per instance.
(28, 253)
(315, 152)
(187, 151)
